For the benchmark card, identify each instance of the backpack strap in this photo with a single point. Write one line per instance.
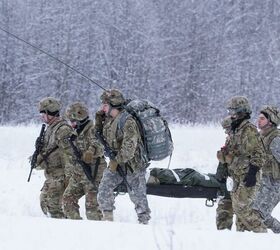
(143, 147)
(124, 116)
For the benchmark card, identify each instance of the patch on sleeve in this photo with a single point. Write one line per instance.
(130, 127)
(63, 136)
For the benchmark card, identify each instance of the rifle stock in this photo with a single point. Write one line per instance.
(38, 148)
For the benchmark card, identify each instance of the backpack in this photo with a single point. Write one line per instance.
(154, 130)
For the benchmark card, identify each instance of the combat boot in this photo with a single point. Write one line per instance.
(273, 224)
(94, 215)
(143, 218)
(107, 215)
(74, 216)
(144, 222)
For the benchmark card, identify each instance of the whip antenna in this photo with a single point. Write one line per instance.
(53, 57)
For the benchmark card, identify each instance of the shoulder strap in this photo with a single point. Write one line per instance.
(124, 116)
(61, 124)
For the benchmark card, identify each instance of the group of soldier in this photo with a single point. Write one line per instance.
(251, 158)
(66, 181)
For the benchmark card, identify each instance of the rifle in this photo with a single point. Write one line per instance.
(112, 155)
(38, 148)
(86, 167)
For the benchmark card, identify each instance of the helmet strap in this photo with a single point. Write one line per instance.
(238, 120)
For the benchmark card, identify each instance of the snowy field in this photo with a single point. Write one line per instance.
(175, 224)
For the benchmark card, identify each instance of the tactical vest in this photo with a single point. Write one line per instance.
(272, 166)
(85, 138)
(86, 141)
(114, 137)
(53, 162)
(237, 148)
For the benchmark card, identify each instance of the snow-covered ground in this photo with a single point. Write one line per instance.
(175, 224)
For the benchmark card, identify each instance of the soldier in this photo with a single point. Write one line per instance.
(127, 143)
(245, 158)
(55, 157)
(268, 195)
(224, 212)
(92, 155)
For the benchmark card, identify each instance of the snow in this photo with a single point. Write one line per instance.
(175, 224)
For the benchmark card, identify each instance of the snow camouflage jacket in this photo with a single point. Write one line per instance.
(126, 142)
(86, 141)
(244, 148)
(271, 141)
(56, 155)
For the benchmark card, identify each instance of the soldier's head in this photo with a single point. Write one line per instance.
(78, 114)
(111, 100)
(269, 116)
(238, 107)
(49, 107)
(226, 124)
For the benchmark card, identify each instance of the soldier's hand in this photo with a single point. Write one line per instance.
(228, 158)
(221, 156)
(113, 165)
(251, 178)
(39, 162)
(87, 157)
(40, 159)
(224, 149)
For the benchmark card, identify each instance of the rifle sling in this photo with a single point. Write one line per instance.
(45, 157)
(96, 166)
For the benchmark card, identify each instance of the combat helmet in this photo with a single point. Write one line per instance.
(239, 105)
(272, 113)
(50, 106)
(113, 97)
(77, 112)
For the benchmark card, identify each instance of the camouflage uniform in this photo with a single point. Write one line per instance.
(92, 154)
(268, 195)
(126, 142)
(245, 157)
(55, 158)
(224, 211)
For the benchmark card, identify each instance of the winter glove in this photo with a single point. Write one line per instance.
(99, 120)
(40, 163)
(229, 158)
(113, 165)
(221, 156)
(39, 159)
(88, 157)
(222, 172)
(250, 178)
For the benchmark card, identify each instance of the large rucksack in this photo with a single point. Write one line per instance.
(153, 128)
